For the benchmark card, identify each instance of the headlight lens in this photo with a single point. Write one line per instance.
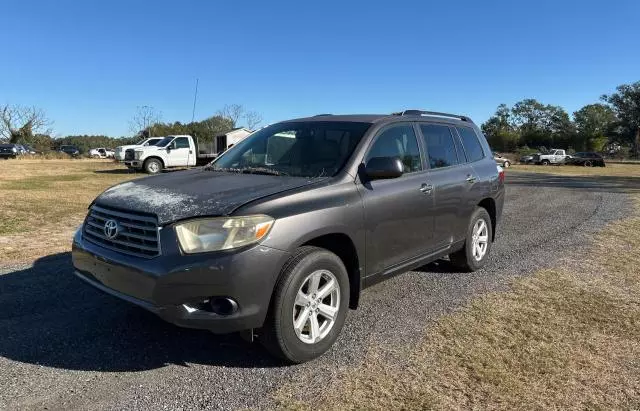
(137, 154)
(214, 234)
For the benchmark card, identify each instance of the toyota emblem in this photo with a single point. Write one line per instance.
(111, 229)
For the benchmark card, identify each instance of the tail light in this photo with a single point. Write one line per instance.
(500, 174)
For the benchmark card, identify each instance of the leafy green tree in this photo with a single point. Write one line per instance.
(500, 133)
(594, 125)
(626, 105)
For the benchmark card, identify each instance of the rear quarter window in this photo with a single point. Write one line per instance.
(471, 143)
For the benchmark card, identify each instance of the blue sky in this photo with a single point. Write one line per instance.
(90, 63)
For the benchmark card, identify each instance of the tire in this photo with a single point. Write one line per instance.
(545, 162)
(152, 166)
(465, 259)
(506, 164)
(279, 335)
(587, 164)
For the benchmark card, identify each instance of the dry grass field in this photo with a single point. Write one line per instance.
(43, 201)
(567, 338)
(618, 170)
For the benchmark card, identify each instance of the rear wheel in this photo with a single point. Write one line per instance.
(153, 166)
(506, 164)
(477, 245)
(308, 307)
(588, 163)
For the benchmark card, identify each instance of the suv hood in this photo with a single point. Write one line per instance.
(195, 193)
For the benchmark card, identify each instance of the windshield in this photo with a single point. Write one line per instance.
(299, 149)
(165, 141)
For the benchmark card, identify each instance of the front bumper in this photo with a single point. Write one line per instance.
(174, 286)
(133, 163)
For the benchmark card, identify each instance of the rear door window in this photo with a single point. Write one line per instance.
(441, 148)
(471, 144)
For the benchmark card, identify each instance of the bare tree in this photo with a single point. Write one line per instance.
(233, 112)
(252, 119)
(144, 119)
(22, 122)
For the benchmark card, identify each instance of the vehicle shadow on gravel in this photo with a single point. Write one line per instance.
(611, 184)
(51, 318)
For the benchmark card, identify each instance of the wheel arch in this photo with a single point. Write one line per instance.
(489, 204)
(343, 246)
(157, 158)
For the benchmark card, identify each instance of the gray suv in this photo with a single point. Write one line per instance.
(279, 235)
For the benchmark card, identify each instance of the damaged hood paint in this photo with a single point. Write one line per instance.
(195, 193)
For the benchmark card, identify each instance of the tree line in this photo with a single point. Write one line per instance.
(530, 123)
(30, 126)
(527, 124)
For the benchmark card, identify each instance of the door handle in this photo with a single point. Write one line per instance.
(471, 179)
(426, 188)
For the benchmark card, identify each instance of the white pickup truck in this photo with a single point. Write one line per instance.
(101, 152)
(552, 157)
(120, 150)
(171, 151)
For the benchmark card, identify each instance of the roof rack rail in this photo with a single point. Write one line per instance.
(323, 114)
(431, 113)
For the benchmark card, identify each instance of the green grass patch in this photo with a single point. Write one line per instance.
(40, 182)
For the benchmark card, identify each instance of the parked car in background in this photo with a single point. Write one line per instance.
(552, 157)
(8, 151)
(527, 158)
(73, 151)
(28, 149)
(501, 161)
(101, 152)
(120, 150)
(278, 236)
(586, 159)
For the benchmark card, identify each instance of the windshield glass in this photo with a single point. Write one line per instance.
(165, 141)
(299, 149)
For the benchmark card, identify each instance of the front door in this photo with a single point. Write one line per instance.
(397, 211)
(180, 154)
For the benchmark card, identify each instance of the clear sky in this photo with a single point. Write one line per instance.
(90, 63)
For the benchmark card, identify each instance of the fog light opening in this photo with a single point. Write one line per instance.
(223, 305)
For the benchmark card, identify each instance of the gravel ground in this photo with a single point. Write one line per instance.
(64, 345)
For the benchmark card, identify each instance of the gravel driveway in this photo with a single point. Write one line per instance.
(64, 345)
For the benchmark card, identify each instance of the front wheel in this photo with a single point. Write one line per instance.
(545, 162)
(588, 163)
(506, 164)
(308, 307)
(152, 166)
(477, 245)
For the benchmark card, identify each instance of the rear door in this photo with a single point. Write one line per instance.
(180, 152)
(398, 211)
(452, 179)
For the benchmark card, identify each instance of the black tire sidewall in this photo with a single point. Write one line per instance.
(471, 261)
(292, 348)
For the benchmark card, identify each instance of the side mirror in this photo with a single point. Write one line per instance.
(378, 168)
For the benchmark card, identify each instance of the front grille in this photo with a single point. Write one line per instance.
(138, 234)
(129, 154)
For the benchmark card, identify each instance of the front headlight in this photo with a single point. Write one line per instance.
(137, 154)
(224, 233)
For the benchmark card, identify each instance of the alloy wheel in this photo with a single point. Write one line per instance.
(480, 239)
(316, 306)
